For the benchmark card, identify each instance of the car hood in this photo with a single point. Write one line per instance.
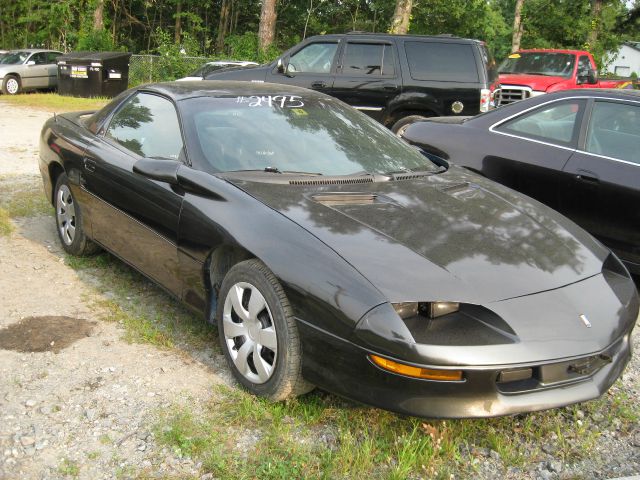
(536, 82)
(453, 236)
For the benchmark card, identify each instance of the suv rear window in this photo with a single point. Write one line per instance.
(449, 62)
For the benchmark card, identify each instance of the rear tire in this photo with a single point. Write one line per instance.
(11, 85)
(69, 221)
(258, 333)
(401, 125)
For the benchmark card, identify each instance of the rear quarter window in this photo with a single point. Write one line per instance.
(448, 62)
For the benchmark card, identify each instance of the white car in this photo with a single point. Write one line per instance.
(209, 67)
(28, 69)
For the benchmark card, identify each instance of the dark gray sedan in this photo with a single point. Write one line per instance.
(578, 151)
(28, 69)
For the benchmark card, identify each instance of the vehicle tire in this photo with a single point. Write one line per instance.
(11, 85)
(258, 333)
(69, 221)
(401, 125)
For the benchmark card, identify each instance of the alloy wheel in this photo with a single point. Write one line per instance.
(66, 214)
(12, 86)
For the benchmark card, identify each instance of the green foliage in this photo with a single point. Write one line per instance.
(95, 41)
(170, 64)
(245, 47)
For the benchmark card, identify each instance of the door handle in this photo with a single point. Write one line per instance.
(318, 84)
(389, 86)
(589, 177)
(89, 165)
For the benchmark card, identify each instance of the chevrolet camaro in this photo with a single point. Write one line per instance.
(330, 253)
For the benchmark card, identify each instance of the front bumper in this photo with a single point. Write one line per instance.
(344, 368)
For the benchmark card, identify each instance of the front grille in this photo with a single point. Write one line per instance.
(510, 94)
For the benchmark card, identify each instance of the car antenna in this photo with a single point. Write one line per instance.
(55, 117)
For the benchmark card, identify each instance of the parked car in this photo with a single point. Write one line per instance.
(529, 73)
(396, 79)
(211, 67)
(577, 151)
(28, 69)
(331, 253)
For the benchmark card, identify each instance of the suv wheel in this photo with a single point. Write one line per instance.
(401, 125)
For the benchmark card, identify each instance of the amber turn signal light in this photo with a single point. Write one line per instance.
(417, 372)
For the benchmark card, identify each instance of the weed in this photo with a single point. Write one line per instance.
(69, 468)
(5, 224)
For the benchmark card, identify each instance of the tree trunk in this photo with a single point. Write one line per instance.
(517, 27)
(222, 25)
(267, 30)
(98, 15)
(596, 10)
(401, 17)
(178, 31)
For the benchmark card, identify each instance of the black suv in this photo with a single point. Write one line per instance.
(396, 79)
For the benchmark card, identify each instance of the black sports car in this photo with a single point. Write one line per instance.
(577, 151)
(331, 253)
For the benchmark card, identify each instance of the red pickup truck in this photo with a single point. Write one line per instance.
(528, 73)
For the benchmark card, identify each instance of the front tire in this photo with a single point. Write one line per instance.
(258, 333)
(401, 125)
(11, 85)
(69, 221)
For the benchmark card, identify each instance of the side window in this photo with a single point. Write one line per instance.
(314, 58)
(584, 65)
(147, 125)
(440, 61)
(39, 58)
(368, 59)
(52, 56)
(614, 131)
(558, 123)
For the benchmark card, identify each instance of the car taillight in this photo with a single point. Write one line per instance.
(485, 100)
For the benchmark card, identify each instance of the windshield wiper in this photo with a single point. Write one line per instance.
(274, 170)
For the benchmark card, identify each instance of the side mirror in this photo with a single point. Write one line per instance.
(31, 62)
(158, 169)
(281, 66)
(592, 77)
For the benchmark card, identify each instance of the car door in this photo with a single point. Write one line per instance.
(532, 147)
(35, 73)
(135, 217)
(52, 68)
(312, 66)
(368, 76)
(604, 196)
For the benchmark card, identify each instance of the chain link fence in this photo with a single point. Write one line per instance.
(156, 68)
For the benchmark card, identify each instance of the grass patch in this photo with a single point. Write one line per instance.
(69, 468)
(5, 224)
(147, 314)
(53, 102)
(321, 436)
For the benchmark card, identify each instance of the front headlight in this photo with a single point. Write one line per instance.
(426, 309)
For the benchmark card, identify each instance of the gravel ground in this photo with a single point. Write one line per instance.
(85, 406)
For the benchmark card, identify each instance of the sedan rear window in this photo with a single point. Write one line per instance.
(292, 133)
(447, 62)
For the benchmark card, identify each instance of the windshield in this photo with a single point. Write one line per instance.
(292, 133)
(207, 69)
(539, 63)
(14, 58)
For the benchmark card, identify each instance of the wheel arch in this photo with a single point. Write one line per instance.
(406, 112)
(55, 170)
(218, 263)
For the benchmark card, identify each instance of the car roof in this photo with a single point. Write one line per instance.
(224, 88)
(33, 50)
(439, 38)
(621, 93)
(552, 50)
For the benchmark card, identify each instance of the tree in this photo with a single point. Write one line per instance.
(267, 28)
(401, 17)
(517, 27)
(98, 15)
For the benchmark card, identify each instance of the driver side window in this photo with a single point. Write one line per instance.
(314, 58)
(148, 126)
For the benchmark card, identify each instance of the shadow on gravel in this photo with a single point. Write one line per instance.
(44, 334)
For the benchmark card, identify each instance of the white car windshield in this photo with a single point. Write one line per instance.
(14, 58)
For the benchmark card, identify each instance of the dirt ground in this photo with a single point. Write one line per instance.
(75, 398)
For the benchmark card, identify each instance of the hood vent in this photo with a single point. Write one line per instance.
(408, 176)
(340, 199)
(332, 181)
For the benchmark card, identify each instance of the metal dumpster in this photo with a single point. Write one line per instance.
(93, 74)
